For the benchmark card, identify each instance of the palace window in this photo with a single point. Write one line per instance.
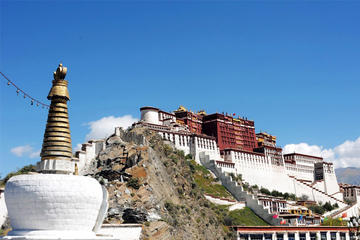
(256, 236)
(312, 236)
(268, 236)
(244, 236)
(342, 236)
(291, 236)
(323, 236)
(333, 235)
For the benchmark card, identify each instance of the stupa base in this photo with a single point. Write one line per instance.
(52, 235)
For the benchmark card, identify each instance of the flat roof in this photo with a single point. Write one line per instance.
(244, 151)
(291, 228)
(300, 154)
(149, 108)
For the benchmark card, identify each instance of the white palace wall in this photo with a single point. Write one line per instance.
(257, 169)
(193, 144)
(300, 173)
(330, 180)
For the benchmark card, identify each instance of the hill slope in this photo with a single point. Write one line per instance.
(151, 183)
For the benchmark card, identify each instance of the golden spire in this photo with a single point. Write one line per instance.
(57, 139)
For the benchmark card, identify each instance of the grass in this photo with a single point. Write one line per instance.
(4, 232)
(206, 182)
(246, 217)
(239, 217)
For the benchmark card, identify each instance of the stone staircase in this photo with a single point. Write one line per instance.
(239, 194)
(318, 190)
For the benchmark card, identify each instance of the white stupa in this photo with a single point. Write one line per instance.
(55, 203)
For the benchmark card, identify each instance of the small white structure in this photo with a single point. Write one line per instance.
(150, 115)
(121, 231)
(3, 209)
(54, 206)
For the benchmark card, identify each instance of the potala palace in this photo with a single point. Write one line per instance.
(235, 148)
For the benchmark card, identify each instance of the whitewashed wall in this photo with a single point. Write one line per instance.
(193, 145)
(150, 116)
(257, 169)
(331, 184)
(3, 210)
(121, 231)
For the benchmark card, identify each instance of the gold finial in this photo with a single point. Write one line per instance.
(59, 88)
(60, 72)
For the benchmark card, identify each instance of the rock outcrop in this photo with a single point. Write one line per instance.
(151, 183)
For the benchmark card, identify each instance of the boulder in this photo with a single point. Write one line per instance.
(134, 216)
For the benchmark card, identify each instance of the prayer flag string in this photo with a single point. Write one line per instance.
(33, 101)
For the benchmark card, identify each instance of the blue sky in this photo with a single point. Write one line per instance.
(292, 66)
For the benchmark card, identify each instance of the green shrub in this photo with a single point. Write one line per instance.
(292, 196)
(134, 183)
(167, 150)
(181, 153)
(333, 222)
(286, 196)
(328, 207)
(265, 191)
(172, 209)
(317, 209)
(174, 158)
(276, 193)
(23, 170)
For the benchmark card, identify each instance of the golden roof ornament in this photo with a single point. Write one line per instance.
(59, 87)
(56, 152)
(181, 109)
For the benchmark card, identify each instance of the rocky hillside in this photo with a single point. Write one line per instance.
(149, 182)
(350, 175)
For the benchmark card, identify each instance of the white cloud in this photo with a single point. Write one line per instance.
(78, 147)
(344, 155)
(35, 154)
(303, 148)
(25, 151)
(105, 126)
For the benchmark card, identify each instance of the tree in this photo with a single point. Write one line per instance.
(286, 196)
(317, 209)
(328, 207)
(292, 197)
(265, 191)
(304, 197)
